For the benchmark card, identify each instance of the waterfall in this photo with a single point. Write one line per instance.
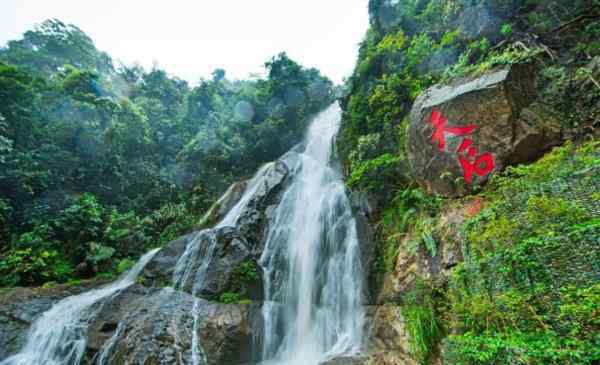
(311, 262)
(196, 250)
(313, 279)
(202, 247)
(59, 336)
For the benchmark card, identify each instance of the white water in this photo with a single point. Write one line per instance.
(104, 352)
(59, 336)
(202, 247)
(313, 276)
(195, 250)
(312, 273)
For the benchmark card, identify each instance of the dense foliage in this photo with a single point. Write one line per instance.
(526, 290)
(98, 162)
(412, 44)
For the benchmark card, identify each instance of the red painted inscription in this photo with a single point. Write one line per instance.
(469, 158)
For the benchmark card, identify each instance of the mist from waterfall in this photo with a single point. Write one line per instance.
(313, 277)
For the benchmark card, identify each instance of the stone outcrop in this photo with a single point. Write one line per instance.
(234, 245)
(420, 264)
(231, 250)
(463, 132)
(363, 209)
(158, 328)
(21, 306)
(388, 341)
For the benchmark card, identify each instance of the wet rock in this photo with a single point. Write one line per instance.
(462, 132)
(363, 211)
(219, 210)
(253, 222)
(230, 250)
(19, 307)
(235, 245)
(159, 271)
(110, 312)
(159, 329)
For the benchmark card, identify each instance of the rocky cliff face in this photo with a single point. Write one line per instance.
(150, 322)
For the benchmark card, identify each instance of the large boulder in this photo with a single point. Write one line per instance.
(159, 328)
(463, 132)
(229, 251)
(236, 241)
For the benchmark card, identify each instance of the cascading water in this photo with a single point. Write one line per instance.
(311, 262)
(59, 336)
(202, 247)
(197, 249)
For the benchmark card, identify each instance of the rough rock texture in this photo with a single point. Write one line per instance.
(347, 360)
(253, 222)
(364, 210)
(496, 112)
(411, 265)
(158, 329)
(229, 199)
(159, 271)
(388, 341)
(231, 249)
(110, 312)
(19, 307)
(235, 245)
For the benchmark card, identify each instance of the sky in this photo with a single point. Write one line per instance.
(190, 38)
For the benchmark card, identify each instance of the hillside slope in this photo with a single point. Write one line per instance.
(487, 232)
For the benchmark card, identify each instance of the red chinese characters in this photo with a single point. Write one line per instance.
(471, 162)
(440, 127)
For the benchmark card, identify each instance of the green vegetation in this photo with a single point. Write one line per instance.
(413, 44)
(407, 206)
(99, 163)
(527, 292)
(229, 298)
(424, 327)
(525, 289)
(245, 275)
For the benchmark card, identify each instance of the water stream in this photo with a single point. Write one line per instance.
(312, 269)
(311, 263)
(59, 336)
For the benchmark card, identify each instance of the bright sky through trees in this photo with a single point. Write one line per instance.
(192, 38)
